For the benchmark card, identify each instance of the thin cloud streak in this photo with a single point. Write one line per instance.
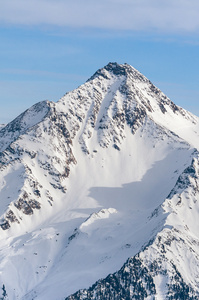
(143, 15)
(44, 74)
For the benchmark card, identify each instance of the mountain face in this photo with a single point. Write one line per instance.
(99, 195)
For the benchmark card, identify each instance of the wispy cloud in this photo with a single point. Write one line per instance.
(43, 74)
(137, 15)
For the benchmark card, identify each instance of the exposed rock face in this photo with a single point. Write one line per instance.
(135, 280)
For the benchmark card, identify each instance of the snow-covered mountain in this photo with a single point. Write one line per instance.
(99, 195)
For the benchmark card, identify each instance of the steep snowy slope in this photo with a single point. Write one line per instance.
(107, 175)
(167, 267)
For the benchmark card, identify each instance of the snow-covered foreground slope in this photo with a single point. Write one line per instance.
(105, 181)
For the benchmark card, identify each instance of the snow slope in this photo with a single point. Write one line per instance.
(101, 181)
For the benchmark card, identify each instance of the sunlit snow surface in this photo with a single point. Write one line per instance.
(103, 166)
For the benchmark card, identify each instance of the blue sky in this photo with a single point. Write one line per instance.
(50, 47)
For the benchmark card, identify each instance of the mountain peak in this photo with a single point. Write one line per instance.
(115, 96)
(118, 70)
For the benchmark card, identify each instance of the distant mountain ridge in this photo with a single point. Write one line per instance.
(101, 184)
